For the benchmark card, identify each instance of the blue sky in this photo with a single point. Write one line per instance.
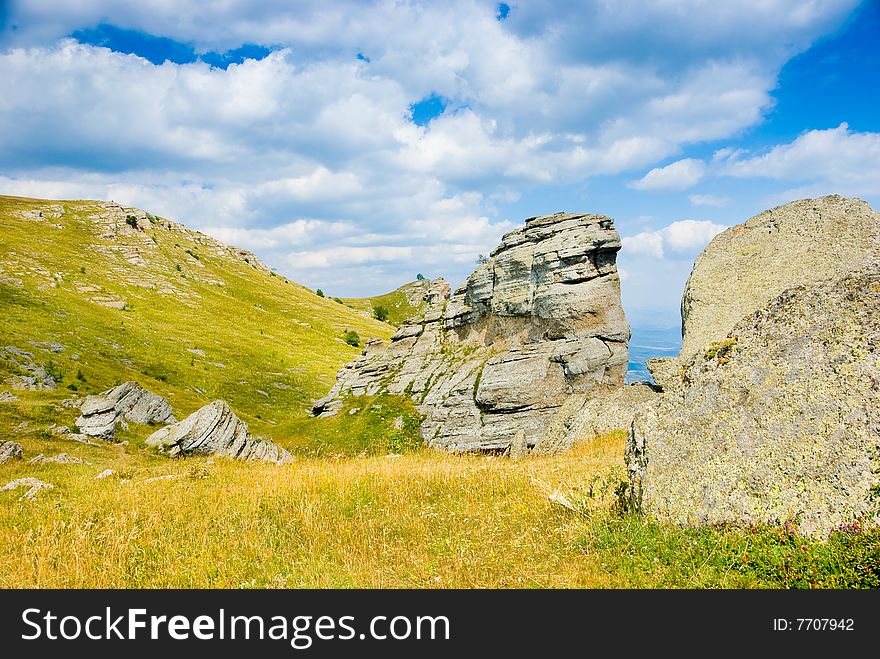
(354, 144)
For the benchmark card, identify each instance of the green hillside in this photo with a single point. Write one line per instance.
(402, 303)
(99, 294)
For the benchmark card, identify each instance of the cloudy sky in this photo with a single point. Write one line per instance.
(354, 144)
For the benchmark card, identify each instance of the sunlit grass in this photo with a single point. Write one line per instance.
(421, 519)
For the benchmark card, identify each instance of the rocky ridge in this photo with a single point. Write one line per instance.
(538, 321)
(770, 412)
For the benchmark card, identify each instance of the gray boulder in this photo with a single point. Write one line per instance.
(801, 243)
(126, 402)
(216, 430)
(540, 320)
(10, 451)
(777, 422)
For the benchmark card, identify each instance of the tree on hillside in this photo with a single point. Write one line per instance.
(319, 293)
(420, 277)
(381, 313)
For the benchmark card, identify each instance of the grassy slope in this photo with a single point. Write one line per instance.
(258, 332)
(397, 303)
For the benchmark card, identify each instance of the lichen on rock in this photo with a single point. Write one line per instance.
(780, 422)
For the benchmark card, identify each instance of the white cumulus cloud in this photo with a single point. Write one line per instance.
(679, 175)
(682, 239)
(839, 159)
(311, 153)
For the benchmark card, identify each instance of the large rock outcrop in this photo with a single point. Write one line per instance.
(800, 243)
(778, 422)
(538, 321)
(125, 402)
(215, 430)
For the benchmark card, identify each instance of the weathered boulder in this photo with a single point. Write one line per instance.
(538, 321)
(743, 268)
(126, 402)
(586, 416)
(10, 451)
(215, 430)
(778, 422)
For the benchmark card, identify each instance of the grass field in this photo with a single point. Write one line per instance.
(418, 519)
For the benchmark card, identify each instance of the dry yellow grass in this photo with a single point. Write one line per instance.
(417, 520)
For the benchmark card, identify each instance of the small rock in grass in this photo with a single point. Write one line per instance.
(34, 485)
(10, 451)
(61, 458)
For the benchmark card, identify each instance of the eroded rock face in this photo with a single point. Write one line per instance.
(538, 321)
(215, 430)
(801, 243)
(779, 422)
(126, 402)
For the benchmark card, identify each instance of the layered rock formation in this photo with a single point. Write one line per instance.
(538, 321)
(804, 242)
(126, 402)
(780, 421)
(215, 430)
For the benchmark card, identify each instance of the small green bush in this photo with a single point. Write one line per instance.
(380, 312)
(352, 338)
(131, 221)
(319, 293)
